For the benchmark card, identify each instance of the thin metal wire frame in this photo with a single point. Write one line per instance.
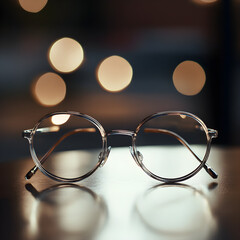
(103, 155)
(210, 134)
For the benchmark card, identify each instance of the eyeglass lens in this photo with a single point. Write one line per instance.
(169, 145)
(56, 140)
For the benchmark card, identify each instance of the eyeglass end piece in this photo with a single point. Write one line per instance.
(212, 173)
(31, 173)
(27, 134)
(213, 133)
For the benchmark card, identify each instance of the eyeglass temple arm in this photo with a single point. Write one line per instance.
(33, 170)
(27, 133)
(208, 169)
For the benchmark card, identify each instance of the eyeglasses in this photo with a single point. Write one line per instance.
(169, 146)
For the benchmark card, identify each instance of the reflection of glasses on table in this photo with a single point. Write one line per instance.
(169, 146)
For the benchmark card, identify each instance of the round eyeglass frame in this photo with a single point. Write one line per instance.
(175, 113)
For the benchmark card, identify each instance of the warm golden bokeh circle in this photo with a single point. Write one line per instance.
(114, 73)
(49, 89)
(189, 78)
(33, 6)
(60, 119)
(204, 2)
(65, 55)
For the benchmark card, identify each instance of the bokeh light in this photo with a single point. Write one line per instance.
(183, 116)
(49, 89)
(60, 119)
(33, 6)
(204, 2)
(189, 78)
(65, 55)
(114, 73)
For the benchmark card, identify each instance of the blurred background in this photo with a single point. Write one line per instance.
(118, 61)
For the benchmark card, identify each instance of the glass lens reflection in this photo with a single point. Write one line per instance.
(66, 211)
(176, 211)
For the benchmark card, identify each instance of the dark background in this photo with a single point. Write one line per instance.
(153, 35)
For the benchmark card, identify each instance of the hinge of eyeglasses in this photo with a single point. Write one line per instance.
(212, 133)
(27, 133)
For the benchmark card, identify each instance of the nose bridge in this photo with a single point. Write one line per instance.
(121, 132)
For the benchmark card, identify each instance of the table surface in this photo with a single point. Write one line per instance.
(119, 201)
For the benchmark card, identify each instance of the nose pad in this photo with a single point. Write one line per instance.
(139, 158)
(103, 157)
